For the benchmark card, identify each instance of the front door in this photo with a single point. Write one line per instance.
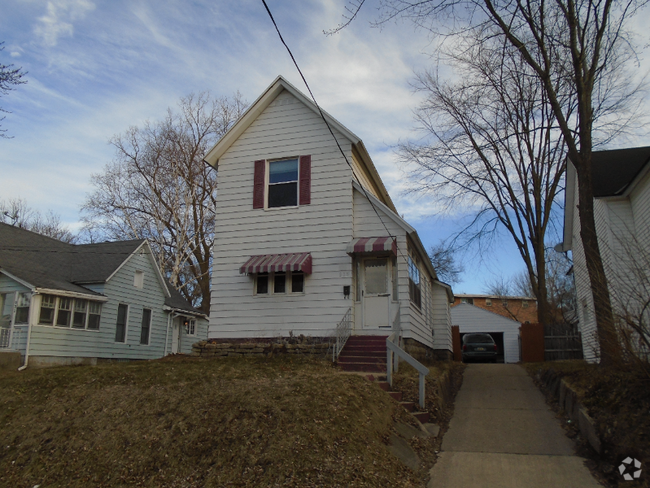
(376, 293)
(176, 332)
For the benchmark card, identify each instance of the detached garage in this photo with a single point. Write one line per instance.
(504, 331)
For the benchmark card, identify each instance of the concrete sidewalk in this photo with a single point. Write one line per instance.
(503, 434)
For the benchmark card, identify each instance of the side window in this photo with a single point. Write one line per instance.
(279, 283)
(146, 326)
(48, 306)
(414, 283)
(22, 308)
(283, 183)
(120, 326)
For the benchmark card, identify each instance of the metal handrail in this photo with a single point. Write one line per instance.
(343, 331)
(394, 352)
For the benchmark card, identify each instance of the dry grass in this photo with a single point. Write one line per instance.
(283, 421)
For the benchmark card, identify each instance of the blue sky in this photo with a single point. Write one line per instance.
(97, 68)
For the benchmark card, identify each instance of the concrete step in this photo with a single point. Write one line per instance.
(423, 417)
(408, 406)
(363, 367)
(361, 359)
(396, 395)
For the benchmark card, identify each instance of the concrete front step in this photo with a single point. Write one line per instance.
(363, 367)
(361, 359)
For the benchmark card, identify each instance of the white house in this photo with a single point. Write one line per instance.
(307, 235)
(74, 304)
(504, 331)
(621, 187)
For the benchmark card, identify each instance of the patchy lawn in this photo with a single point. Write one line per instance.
(183, 422)
(619, 402)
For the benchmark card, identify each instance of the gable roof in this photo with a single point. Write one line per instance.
(45, 263)
(613, 172)
(474, 313)
(263, 101)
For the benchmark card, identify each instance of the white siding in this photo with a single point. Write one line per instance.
(474, 319)
(286, 128)
(19, 333)
(442, 339)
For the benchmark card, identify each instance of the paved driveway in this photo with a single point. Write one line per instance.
(503, 434)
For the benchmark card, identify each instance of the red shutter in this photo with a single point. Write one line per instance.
(258, 184)
(305, 180)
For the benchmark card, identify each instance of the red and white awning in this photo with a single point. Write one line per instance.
(277, 263)
(372, 245)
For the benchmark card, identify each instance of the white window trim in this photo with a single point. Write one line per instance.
(126, 323)
(287, 285)
(138, 279)
(190, 331)
(57, 301)
(267, 183)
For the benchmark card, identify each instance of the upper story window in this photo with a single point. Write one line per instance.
(138, 279)
(467, 300)
(282, 183)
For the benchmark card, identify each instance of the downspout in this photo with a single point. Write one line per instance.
(29, 331)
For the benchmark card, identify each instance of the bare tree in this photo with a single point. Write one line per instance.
(159, 188)
(582, 45)
(444, 261)
(16, 212)
(9, 78)
(491, 145)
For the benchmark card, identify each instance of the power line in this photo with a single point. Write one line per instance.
(354, 175)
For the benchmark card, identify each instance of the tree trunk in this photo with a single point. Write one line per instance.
(610, 348)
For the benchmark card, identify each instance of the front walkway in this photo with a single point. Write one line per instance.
(503, 434)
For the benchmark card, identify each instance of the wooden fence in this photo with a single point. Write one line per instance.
(562, 341)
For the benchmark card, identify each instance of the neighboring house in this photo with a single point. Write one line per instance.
(307, 240)
(67, 304)
(621, 187)
(519, 309)
(504, 331)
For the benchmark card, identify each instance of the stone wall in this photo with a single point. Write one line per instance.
(260, 347)
(424, 353)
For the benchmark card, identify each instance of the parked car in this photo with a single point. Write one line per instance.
(479, 346)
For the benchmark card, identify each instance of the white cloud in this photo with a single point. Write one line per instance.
(58, 21)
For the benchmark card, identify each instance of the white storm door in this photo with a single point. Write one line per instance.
(376, 293)
(176, 328)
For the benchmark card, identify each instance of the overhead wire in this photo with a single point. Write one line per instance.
(320, 111)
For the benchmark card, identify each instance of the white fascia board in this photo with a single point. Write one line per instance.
(569, 206)
(448, 290)
(17, 280)
(642, 174)
(70, 294)
(181, 312)
(410, 231)
(257, 107)
(374, 175)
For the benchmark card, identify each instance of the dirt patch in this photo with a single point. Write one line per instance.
(183, 422)
(619, 402)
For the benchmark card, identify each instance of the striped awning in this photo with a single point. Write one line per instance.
(277, 263)
(372, 245)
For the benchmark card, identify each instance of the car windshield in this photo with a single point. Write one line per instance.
(479, 338)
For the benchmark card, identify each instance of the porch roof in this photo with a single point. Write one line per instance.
(277, 263)
(372, 245)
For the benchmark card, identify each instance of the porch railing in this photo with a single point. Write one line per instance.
(343, 331)
(393, 354)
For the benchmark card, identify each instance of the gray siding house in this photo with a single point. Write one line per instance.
(69, 304)
(309, 237)
(621, 187)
